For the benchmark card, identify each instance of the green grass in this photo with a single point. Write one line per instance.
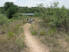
(34, 32)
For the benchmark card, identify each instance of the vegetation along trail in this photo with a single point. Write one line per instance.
(32, 42)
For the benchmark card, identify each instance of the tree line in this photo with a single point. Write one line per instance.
(53, 15)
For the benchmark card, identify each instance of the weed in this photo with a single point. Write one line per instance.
(42, 32)
(10, 35)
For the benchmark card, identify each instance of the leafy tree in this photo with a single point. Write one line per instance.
(55, 4)
(10, 9)
(55, 16)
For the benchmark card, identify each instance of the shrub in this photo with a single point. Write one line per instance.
(3, 19)
(10, 35)
(42, 32)
(34, 32)
(20, 42)
(52, 31)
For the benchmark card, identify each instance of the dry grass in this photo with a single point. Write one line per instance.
(57, 41)
(8, 38)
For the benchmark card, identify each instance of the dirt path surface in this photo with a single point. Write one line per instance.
(32, 42)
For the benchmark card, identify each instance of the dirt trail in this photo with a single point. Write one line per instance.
(32, 42)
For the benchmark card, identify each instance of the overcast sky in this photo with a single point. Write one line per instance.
(31, 3)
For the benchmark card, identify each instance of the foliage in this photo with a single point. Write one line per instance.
(10, 9)
(55, 16)
(10, 35)
(3, 19)
(42, 33)
(34, 32)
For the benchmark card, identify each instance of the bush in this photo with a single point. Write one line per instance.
(42, 33)
(52, 31)
(10, 35)
(34, 32)
(20, 42)
(3, 19)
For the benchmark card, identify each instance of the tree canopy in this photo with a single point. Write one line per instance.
(10, 9)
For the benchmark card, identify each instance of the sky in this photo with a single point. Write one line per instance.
(33, 3)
